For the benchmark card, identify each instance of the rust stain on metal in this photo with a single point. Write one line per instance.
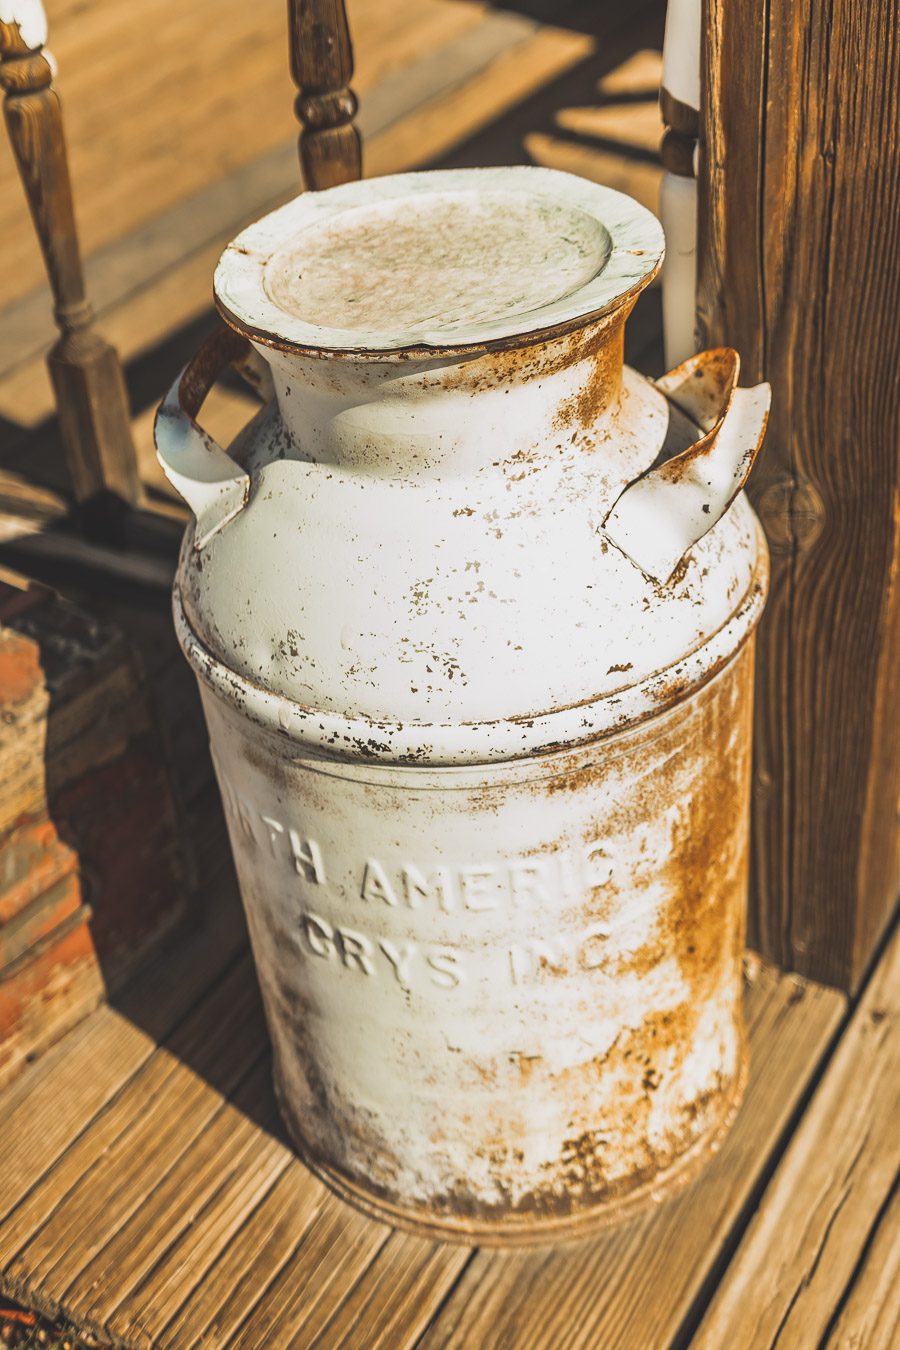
(500, 949)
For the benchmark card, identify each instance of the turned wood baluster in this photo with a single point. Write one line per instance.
(322, 67)
(85, 370)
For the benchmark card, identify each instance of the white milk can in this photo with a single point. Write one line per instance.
(471, 606)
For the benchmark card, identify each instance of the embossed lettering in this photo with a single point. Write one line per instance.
(307, 858)
(416, 888)
(305, 853)
(240, 811)
(356, 950)
(319, 935)
(406, 961)
(540, 959)
(518, 965)
(399, 959)
(375, 884)
(592, 952)
(479, 887)
(598, 868)
(276, 830)
(549, 959)
(537, 958)
(446, 970)
(528, 884)
(568, 875)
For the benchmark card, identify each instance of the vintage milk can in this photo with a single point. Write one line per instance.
(471, 606)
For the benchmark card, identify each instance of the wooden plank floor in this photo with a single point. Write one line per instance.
(146, 1189)
(149, 1196)
(820, 1263)
(440, 82)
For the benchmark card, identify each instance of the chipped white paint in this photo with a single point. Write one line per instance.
(450, 957)
(507, 251)
(657, 518)
(462, 739)
(30, 17)
(214, 486)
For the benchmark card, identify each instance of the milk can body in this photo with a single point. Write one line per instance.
(472, 614)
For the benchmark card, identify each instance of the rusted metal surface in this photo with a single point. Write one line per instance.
(504, 1000)
(486, 777)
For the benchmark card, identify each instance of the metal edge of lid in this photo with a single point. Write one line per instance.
(358, 739)
(637, 248)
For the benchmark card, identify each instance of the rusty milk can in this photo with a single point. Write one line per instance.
(471, 606)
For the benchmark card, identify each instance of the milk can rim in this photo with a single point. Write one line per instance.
(388, 741)
(635, 258)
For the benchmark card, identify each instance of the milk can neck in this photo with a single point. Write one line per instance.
(412, 415)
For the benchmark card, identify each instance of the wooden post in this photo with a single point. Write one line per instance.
(86, 373)
(322, 67)
(799, 268)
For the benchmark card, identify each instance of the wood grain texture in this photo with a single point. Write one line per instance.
(799, 268)
(99, 1183)
(830, 1206)
(391, 1304)
(172, 1214)
(155, 277)
(870, 1318)
(230, 1164)
(48, 1106)
(212, 1311)
(322, 68)
(85, 370)
(634, 1287)
(131, 159)
(327, 1261)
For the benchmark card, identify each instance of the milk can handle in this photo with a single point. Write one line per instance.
(214, 485)
(659, 515)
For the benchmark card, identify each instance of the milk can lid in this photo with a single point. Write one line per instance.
(443, 259)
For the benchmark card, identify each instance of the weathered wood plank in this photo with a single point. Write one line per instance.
(638, 178)
(111, 1169)
(797, 1262)
(637, 77)
(392, 1302)
(131, 158)
(52, 1102)
(633, 1287)
(870, 1319)
(233, 1160)
(798, 268)
(444, 122)
(156, 277)
(171, 1285)
(213, 1311)
(298, 1304)
(631, 126)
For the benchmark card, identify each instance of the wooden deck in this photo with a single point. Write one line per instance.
(148, 1195)
(146, 1190)
(170, 159)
